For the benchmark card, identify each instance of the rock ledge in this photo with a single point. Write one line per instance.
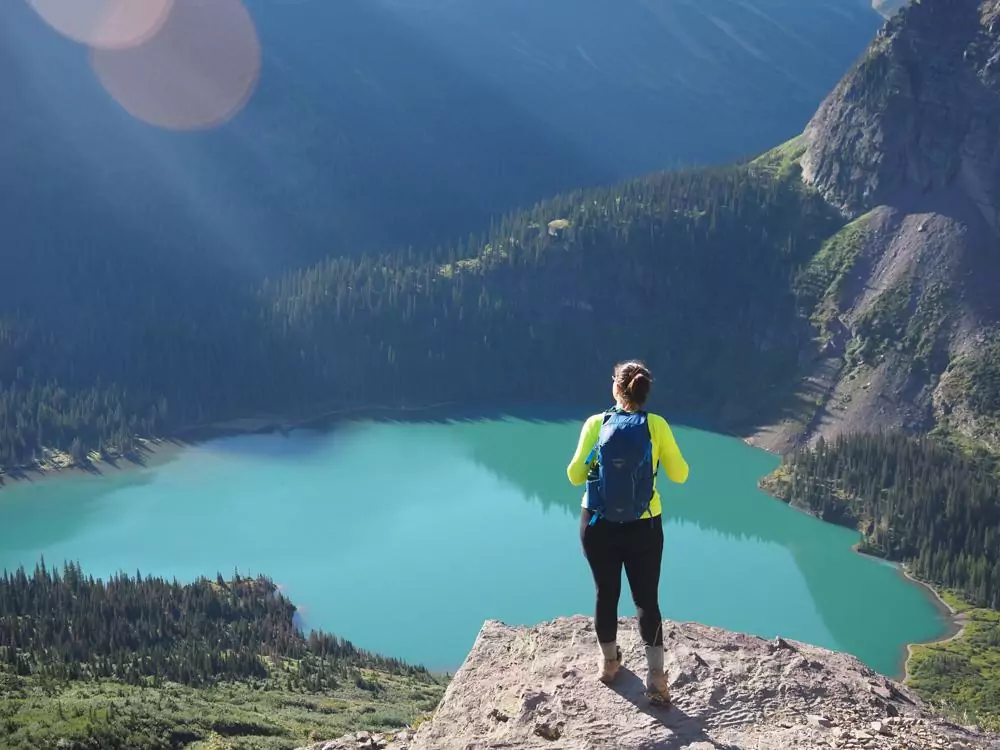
(534, 687)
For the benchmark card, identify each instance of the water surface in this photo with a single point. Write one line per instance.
(405, 537)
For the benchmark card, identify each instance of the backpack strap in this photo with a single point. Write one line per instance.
(593, 451)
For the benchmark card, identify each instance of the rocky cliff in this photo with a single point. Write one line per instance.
(907, 296)
(535, 687)
(917, 115)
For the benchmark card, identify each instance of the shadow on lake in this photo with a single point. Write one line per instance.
(721, 497)
(46, 513)
(856, 598)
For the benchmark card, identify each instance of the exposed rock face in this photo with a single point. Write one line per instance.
(910, 141)
(913, 302)
(921, 112)
(535, 687)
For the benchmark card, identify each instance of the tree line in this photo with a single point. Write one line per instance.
(916, 500)
(534, 310)
(65, 625)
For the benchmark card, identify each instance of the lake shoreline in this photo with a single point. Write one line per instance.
(446, 417)
(150, 454)
(955, 620)
(155, 450)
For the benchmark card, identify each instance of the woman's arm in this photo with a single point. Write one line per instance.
(670, 456)
(578, 467)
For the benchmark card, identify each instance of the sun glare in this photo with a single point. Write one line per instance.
(176, 64)
(105, 24)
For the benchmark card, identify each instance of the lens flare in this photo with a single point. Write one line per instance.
(105, 24)
(197, 72)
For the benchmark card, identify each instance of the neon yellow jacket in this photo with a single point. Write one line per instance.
(666, 453)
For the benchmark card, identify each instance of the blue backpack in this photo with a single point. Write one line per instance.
(620, 485)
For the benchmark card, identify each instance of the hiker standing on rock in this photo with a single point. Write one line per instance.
(618, 456)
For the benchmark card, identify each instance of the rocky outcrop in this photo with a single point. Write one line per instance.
(920, 112)
(535, 687)
(909, 144)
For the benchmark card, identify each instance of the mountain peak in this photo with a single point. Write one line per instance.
(889, 8)
(908, 146)
(919, 113)
(536, 687)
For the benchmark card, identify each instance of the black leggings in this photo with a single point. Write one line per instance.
(638, 547)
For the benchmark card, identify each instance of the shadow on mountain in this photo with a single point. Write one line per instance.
(360, 136)
(384, 124)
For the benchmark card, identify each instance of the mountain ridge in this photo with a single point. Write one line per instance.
(907, 147)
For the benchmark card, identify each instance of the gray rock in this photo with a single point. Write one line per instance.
(882, 692)
(818, 720)
(536, 687)
(880, 727)
(910, 138)
(543, 678)
(918, 113)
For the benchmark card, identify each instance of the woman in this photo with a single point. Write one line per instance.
(617, 537)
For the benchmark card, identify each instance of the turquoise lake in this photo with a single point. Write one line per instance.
(405, 537)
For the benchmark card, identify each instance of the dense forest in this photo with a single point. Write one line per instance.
(140, 663)
(68, 626)
(921, 501)
(536, 309)
(917, 501)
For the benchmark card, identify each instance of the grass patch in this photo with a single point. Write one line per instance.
(962, 677)
(884, 323)
(923, 331)
(782, 161)
(819, 285)
(955, 601)
(248, 716)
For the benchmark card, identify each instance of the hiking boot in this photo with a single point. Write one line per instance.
(657, 688)
(610, 667)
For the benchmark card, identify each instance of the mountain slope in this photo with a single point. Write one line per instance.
(568, 287)
(379, 123)
(908, 146)
(893, 272)
(905, 300)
